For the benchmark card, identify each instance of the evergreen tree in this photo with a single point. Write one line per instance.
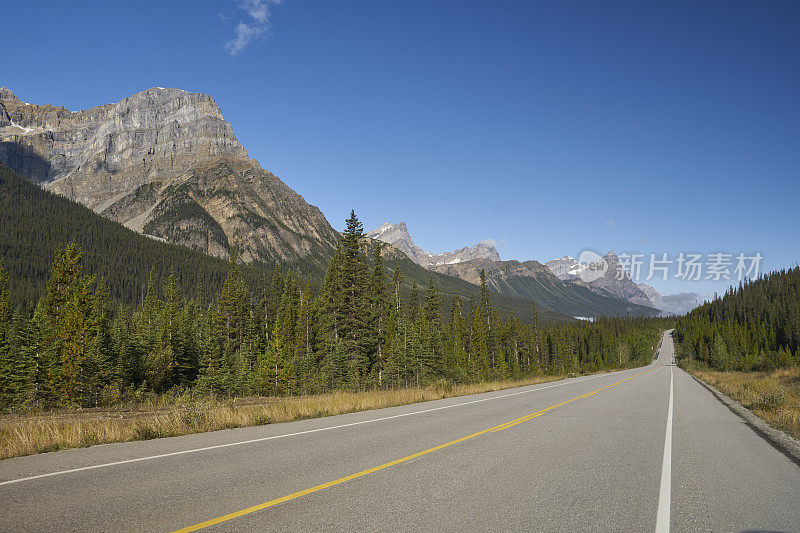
(755, 326)
(379, 308)
(431, 329)
(457, 357)
(214, 377)
(304, 357)
(482, 368)
(29, 372)
(354, 332)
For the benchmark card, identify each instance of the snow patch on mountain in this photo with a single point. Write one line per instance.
(565, 268)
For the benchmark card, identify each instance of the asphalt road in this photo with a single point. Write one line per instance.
(583, 454)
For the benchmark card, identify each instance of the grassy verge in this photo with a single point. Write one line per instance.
(772, 395)
(168, 417)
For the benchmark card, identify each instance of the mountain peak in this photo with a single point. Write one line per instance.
(565, 268)
(7, 94)
(390, 233)
(171, 89)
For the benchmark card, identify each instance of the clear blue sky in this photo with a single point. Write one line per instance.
(549, 127)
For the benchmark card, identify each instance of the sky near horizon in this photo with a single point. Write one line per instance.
(547, 127)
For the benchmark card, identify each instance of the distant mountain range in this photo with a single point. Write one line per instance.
(557, 282)
(534, 281)
(618, 283)
(397, 235)
(530, 280)
(615, 281)
(565, 268)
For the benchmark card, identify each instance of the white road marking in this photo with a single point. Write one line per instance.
(665, 494)
(262, 439)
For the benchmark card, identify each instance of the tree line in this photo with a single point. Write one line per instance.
(360, 330)
(754, 326)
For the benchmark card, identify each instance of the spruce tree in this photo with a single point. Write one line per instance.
(480, 352)
(304, 358)
(354, 332)
(379, 308)
(215, 376)
(432, 332)
(30, 376)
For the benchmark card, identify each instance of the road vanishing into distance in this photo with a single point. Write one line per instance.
(647, 449)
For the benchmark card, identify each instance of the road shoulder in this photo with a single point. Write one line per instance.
(784, 443)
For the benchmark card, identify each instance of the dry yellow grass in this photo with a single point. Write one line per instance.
(44, 432)
(772, 395)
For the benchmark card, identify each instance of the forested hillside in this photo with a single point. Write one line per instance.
(357, 333)
(755, 326)
(35, 222)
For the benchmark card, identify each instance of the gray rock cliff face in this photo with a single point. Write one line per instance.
(616, 282)
(653, 295)
(166, 163)
(100, 152)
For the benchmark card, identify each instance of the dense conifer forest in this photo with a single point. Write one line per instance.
(358, 331)
(755, 326)
(34, 222)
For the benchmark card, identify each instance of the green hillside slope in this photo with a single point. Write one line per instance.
(35, 222)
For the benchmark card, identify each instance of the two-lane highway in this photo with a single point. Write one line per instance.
(643, 449)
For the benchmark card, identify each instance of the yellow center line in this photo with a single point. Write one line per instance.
(543, 411)
(295, 495)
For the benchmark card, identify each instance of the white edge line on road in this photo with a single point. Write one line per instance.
(262, 439)
(665, 493)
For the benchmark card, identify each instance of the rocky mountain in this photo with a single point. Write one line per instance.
(565, 268)
(655, 297)
(531, 280)
(397, 235)
(497, 272)
(165, 163)
(616, 282)
(528, 280)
